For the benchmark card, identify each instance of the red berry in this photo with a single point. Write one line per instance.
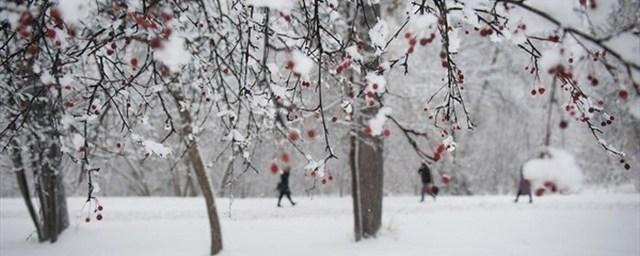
(368, 130)
(412, 41)
(87, 219)
(51, 33)
(563, 124)
(407, 35)
(334, 119)
(386, 132)
(311, 133)
(623, 94)
(540, 192)
(627, 166)
(324, 181)
(293, 135)
(290, 64)
(424, 41)
(374, 86)
(440, 148)
(436, 157)
(100, 208)
(273, 168)
(99, 217)
(69, 104)
(533, 92)
(330, 177)
(134, 62)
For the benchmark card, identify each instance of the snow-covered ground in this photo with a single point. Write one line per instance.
(598, 224)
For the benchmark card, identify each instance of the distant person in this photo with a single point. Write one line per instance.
(283, 186)
(524, 188)
(427, 182)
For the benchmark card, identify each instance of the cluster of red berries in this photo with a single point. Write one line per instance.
(608, 121)
(385, 132)
(98, 212)
(324, 180)
(344, 65)
(413, 41)
(487, 31)
(540, 90)
(597, 55)
(591, 3)
(522, 27)
(548, 185)
(627, 166)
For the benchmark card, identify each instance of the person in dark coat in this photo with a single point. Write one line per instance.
(427, 182)
(524, 188)
(283, 186)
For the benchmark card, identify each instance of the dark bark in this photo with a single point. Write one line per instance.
(201, 175)
(39, 127)
(366, 159)
(21, 177)
(368, 172)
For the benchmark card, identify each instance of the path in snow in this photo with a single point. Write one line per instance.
(584, 225)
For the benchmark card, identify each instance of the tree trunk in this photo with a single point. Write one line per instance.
(43, 140)
(367, 168)
(21, 177)
(365, 157)
(201, 174)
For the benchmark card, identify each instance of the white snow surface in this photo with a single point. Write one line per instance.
(586, 225)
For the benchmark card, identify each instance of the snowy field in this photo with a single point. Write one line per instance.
(600, 224)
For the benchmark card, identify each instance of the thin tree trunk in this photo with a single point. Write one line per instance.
(201, 174)
(21, 177)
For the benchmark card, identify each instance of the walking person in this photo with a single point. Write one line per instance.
(427, 182)
(524, 187)
(283, 186)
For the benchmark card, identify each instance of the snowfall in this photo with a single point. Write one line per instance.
(584, 224)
